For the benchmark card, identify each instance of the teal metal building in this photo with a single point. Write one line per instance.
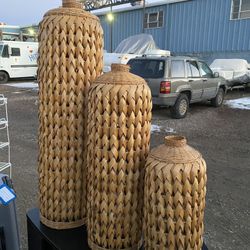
(203, 28)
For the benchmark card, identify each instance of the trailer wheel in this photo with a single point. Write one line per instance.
(4, 77)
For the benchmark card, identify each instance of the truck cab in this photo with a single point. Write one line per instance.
(17, 60)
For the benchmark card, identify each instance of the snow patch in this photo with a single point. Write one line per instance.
(241, 103)
(169, 130)
(157, 129)
(24, 85)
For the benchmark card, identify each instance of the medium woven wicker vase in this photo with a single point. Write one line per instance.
(174, 196)
(119, 120)
(70, 59)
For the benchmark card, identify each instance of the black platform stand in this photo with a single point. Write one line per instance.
(41, 237)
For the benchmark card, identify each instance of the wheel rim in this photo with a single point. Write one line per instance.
(183, 107)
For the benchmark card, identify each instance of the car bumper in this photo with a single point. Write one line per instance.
(165, 100)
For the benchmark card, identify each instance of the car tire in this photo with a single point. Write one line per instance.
(4, 77)
(218, 100)
(180, 109)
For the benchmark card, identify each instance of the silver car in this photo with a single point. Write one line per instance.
(178, 81)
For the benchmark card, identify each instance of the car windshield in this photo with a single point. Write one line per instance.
(147, 68)
(1, 49)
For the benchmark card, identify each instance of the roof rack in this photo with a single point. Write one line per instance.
(159, 53)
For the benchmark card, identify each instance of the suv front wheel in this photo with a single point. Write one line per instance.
(218, 100)
(180, 109)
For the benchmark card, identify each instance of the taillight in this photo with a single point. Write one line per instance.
(165, 87)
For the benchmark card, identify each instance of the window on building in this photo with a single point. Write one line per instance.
(240, 9)
(15, 52)
(153, 20)
(193, 69)
(177, 69)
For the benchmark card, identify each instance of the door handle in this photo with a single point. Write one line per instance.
(204, 80)
(191, 80)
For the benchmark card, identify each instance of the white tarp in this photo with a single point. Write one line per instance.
(129, 48)
(138, 44)
(235, 71)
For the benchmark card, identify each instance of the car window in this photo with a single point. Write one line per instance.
(177, 68)
(5, 52)
(15, 52)
(147, 68)
(193, 69)
(205, 70)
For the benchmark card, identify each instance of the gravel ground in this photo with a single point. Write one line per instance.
(221, 135)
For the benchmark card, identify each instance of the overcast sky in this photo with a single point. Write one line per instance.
(25, 12)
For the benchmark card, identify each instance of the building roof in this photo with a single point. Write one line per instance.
(5, 26)
(159, 57)
(128, 7)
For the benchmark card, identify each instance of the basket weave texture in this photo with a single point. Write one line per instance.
(119, 120)
(71, 55)
(174, 196)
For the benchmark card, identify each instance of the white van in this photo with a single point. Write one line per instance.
(18, 59)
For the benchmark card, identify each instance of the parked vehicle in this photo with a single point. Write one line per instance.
(235, 71)
(178, 81)
(17, 59)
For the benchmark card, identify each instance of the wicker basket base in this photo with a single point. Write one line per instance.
(62, 225)
(93, 246)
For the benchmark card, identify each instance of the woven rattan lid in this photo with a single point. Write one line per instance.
(71, 4)
(120, 75)
(175, 150)
(71, 8)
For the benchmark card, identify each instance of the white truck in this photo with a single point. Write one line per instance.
(18, 59)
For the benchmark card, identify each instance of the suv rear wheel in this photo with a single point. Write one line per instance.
(3, 77)
(218, 100)
(180, 109)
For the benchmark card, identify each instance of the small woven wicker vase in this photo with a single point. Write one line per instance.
(119, 120)
(70, 59)
(174, 196)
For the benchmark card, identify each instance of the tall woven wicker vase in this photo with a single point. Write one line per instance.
(174, 196)
(119, 120)
(70, 59)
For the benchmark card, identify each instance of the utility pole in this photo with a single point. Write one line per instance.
(143, 16)
(110, 19)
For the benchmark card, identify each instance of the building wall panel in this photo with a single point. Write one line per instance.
(192, 27)
(205, 25)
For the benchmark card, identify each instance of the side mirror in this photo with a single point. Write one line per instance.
(216, 74)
